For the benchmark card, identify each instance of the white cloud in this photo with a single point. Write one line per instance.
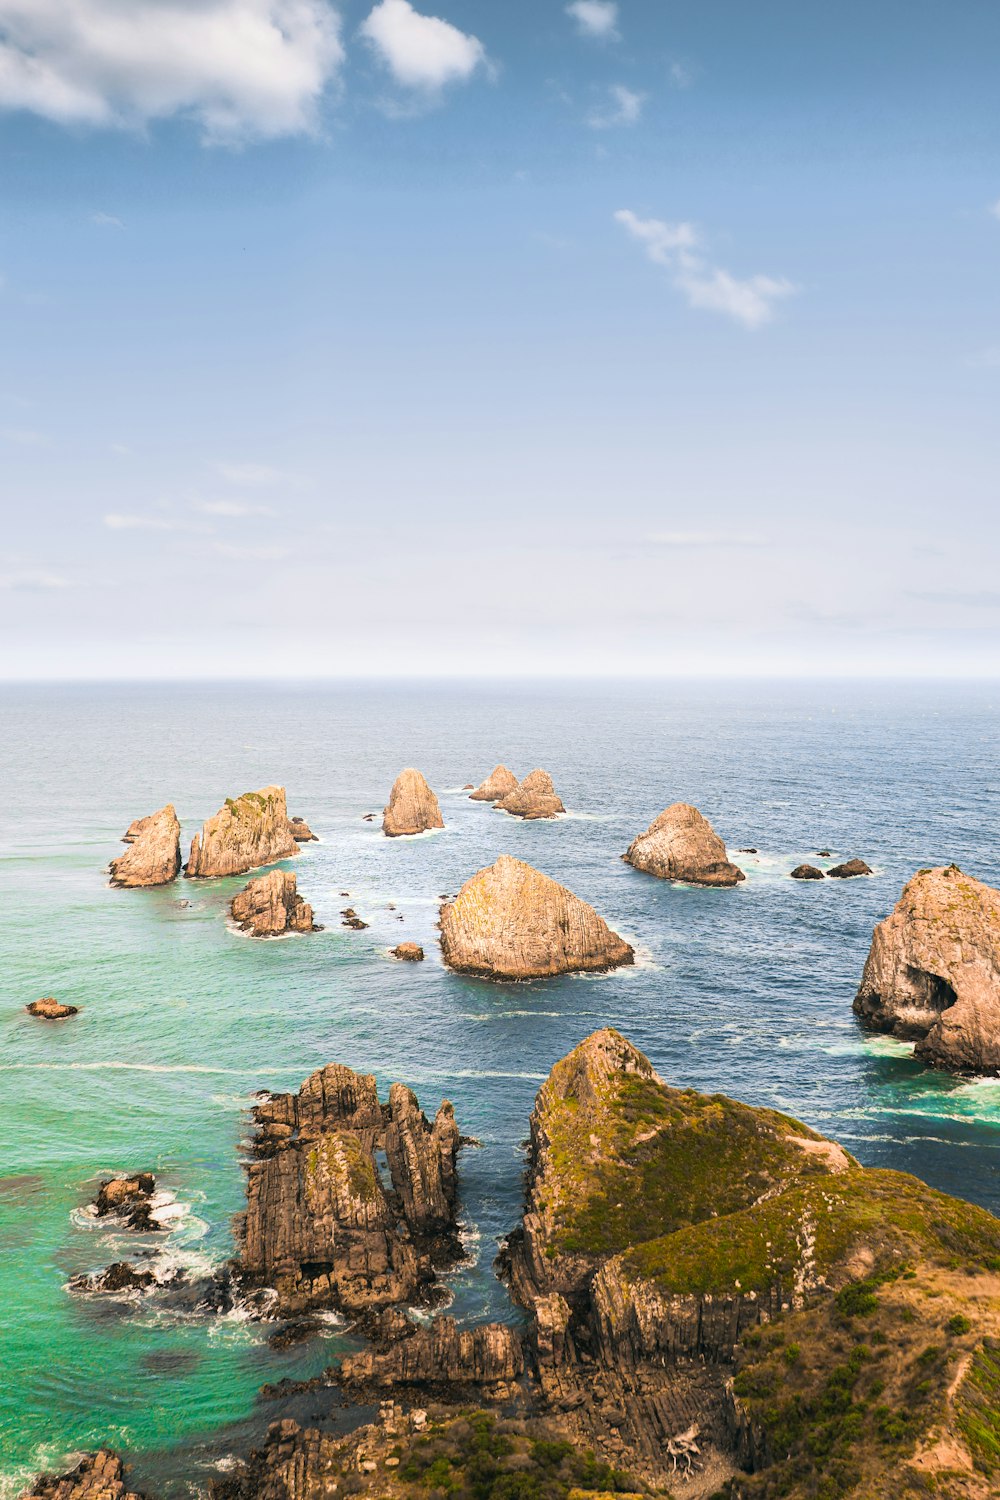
(32, 580)
(253, 474)
(106, 221)
(24, 437)
(252, 554)
(118, 522)
(241, 68)
(624, 109)
(597, 18)
(703, 539)
(749, 301)
(421, 52)
(232, 508)
(995, 209)
(682, 75)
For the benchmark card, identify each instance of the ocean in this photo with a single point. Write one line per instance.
(746, 991)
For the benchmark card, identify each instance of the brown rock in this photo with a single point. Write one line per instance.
(807, 872)
(413, 807)
(852, 867)
(411, 953)
(682, 845)
(320, 1227)
(535, 797)
(248, 832)
(511, 922)
(269, 905)
(130, 1199)
(933, 971)
(154, 853)
(301, 832)
(121, 1276)
(48, 1009)
(498, 783)
(98, 1476)
(442, 1354)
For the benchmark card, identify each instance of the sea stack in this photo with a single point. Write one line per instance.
(681, 844)
(248, 832)
(301, 832)
(320, 1227)
(499, 783)
(270, 905)
(413, 807)
(512, 922)
(933, 972)
(154, 853)
(534, 797)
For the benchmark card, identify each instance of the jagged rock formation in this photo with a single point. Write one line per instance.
(410, 953)
(154, 853)
(248, 832)
(120, 1276)
(534, 797)
(664, 1228)
(498, 784)
(301, 832)
(849, 870)
(413, 807)
(682, 845)
(489, 1355)
(511, 922)
(321, 1227)
(933, 971)
(270, 905)
(50, 1009)
(130, 1199)
(98, 1476)
(807, 872)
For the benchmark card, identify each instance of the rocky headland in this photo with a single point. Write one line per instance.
(246, 833)
(681, 844)
(498, 784)
(270, 905)
(534, 797)
(154, 853)
(512, 922)
(322, 1228)
(412, 808)
(933, 972)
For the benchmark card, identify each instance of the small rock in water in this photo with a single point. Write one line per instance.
(409, 952)
(822, 854)
(847, 871)
(48, 1009)
(747, 851)
(128, 1198)
(807, 872)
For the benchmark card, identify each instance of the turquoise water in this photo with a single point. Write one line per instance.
(747, 991)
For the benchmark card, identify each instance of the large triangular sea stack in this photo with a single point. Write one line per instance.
(413, 807)
(153, 856)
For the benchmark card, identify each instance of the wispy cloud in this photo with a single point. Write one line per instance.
(106, 221)
(595, 18)
(232, 508)
(251, 474)
(624, 108)
(23, 437)
(677, 247)
(242, 68)
(995, 209)
(421, 52)
(682, 75)
(986, 359)
(32, 580)
(264, 553)
(115, 521)
(691, 539)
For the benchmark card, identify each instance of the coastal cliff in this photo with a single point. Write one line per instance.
(247, 832)
(681, 844)
(512, 922)
(321, 1227)
(154, 853)
(933, 971)
(412, 807)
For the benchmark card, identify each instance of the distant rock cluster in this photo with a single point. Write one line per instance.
(533, 798)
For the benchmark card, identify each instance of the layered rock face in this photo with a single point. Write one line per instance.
(270, 905)
(681, 844)
(534, 797)
(933, 971)
(154, 853)
(98, 1476)
(413, 807)
(498, 784)
(248, 832)
(321, 1226)
(511, 922)
(441, 1355)
(662, 1227)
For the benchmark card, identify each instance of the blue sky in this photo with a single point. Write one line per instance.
(499, 338)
